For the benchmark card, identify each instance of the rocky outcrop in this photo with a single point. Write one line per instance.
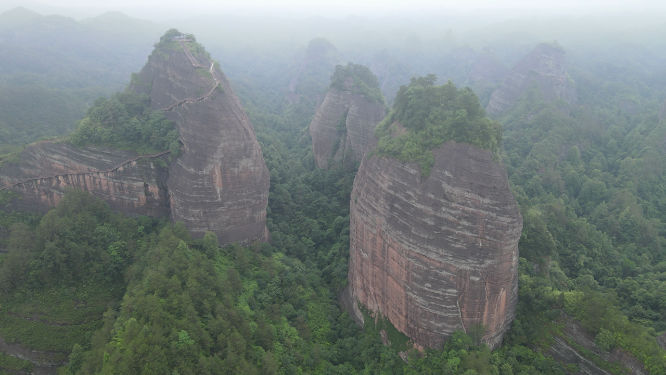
(127, 182)
(546, 67)
(562, 351)
(220, 182)
(487, 68)
(343, 126)
(436, 254)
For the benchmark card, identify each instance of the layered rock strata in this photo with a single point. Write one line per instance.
(220, 182)
(343, 126)
(545, 66)
(128, 182)
(436, 254)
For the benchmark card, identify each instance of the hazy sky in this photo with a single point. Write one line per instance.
(156, 9)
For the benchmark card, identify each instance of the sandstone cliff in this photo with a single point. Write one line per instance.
(436, 254)
(344, 124)
(546, 67)
(220, 182)
(128, 183)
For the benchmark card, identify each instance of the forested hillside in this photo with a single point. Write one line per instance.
(91, 291)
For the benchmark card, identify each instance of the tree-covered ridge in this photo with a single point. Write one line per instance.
(431, 116)
(363, 82)
(125, 121)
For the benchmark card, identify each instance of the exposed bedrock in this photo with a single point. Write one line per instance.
(136, 186)
(343, 126)
(436, 254)
(220, 182)
(545, 66)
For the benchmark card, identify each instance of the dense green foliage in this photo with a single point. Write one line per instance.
(125, 121)
(359, 79)
(432, 115)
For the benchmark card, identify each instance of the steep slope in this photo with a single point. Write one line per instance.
(220, 182)
(545, 67)
(439, 253)
(128, 182)
(346, 119)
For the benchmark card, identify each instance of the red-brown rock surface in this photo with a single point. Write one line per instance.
(436, 254)
(130, 185)
(220, 182)
(343, 126)
(545, 66)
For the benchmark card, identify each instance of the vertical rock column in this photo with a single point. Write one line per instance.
(436, 254)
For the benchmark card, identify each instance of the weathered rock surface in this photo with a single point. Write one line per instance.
(545, 66)
(220, 182)
(487, 68)
(136, 186)
(343, 126)
(436, 254)
(561, 351)
(661, 340)
(662, 113)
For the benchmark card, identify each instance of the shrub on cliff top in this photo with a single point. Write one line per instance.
(365, 82)
(125, 121)
(432, 115)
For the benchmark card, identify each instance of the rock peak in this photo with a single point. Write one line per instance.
(546, 67)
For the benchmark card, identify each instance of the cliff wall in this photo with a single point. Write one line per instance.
(220, 182)
(343, 126)
(436, 254)
(545, 66)
(128, 183)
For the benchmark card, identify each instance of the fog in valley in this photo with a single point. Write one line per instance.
(333, 187)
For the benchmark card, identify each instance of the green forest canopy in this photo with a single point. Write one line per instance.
(364, 81)
(125, 121)
(432, 116)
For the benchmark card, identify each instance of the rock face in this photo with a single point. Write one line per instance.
(128, 183)
(436, 254)
(343, 126)
(220, 182)
(545, 66)
(662, 113)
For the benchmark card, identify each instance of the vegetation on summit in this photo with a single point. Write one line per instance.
(125, 121)
(433, 115)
